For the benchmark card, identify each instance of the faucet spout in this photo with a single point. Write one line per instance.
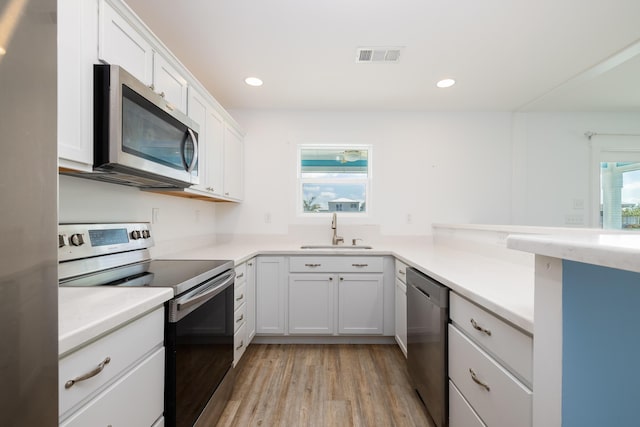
(334, 226)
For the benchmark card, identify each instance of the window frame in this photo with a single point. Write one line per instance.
(300, 181)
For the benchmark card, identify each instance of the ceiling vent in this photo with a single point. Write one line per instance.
(377, 54)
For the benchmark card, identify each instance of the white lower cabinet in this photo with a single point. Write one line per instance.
(311, 302)
(461, 414)
(132, 401)
(489, 365)
(401, 316)
(116, 380)
(271, 286)
(251, 299)
(360, 300)
(401, 305)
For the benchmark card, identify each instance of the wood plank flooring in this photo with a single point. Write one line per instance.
(284, 385)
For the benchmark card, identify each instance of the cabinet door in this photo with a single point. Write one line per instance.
(311, 301)
(251, 299)
(271, 295)
(360, 303)
(401, 315)
(233, 163)
(214, 152)
(136, 399)
(77, 52)
(169, 83)
(121, 44)
(197, 108)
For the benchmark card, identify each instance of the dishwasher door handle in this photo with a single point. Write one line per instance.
(426, 294)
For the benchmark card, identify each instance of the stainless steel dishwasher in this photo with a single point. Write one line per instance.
(427, 318)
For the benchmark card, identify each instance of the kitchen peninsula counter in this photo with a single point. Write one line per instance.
(501, 284)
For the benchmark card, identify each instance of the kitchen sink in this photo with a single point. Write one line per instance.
(336, 247)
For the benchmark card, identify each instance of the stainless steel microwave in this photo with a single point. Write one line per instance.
(140, 139)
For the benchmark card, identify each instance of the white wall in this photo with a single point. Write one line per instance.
(437, 167)
(552, 161)
(82, 200)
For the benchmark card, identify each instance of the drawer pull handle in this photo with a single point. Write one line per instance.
(250, 264)
(479, 328)
(312, 265)
(475, 379)
(401, 272)
(241, 345)
(88, 375)
(240, 297)
(240, 276)
(360, 265)
(240, 319)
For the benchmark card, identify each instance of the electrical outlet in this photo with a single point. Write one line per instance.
(409, 218)
(574, 219)
(155, 215)
(267, 218)
(197, 215)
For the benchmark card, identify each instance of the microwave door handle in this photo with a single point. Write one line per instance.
(194, 140)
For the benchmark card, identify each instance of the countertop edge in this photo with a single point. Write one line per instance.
(74, 336)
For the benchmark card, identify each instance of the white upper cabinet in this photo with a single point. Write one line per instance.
(77, 40)
(210, 138)
(121, 44)
(169, 83)
(108, 31)
(233, 163)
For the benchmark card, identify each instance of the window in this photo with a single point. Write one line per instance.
(620, 195)
(616, 177)
(334, 179)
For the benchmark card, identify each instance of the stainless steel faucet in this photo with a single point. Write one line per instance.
(334, 226)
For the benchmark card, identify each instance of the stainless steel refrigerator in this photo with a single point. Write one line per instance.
(28, 214)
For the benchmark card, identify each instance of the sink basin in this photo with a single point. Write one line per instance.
(336, 247)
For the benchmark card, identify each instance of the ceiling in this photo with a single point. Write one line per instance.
(506, 55)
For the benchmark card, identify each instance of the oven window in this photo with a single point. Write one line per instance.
(199, 354)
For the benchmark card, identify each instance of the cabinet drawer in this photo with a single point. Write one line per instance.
(460, 412)
(401, 271)
(239, 343)
(512, 347)
(136, 399)
(123, 346)
(335, 264)
(239, 296)
(497, 396)
(241, 273)
(239, 317)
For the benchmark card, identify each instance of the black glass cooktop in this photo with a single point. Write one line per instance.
(181, 275)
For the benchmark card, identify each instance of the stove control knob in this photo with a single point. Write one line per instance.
(135, 235)
(61, 241)
(146, 234)
(76, 239)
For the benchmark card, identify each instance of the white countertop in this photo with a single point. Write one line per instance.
(615, 250)
(503, 287)
(87, 313)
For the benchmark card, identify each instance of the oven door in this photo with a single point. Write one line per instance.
(199, 345)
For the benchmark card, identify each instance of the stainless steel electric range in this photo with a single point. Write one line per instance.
(199, 319)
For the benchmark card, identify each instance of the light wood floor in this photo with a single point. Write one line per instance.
(323, 385)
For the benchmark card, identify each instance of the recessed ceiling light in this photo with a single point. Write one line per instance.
(446, 83)
(253, 81)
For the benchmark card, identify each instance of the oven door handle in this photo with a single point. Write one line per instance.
(205, 294)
